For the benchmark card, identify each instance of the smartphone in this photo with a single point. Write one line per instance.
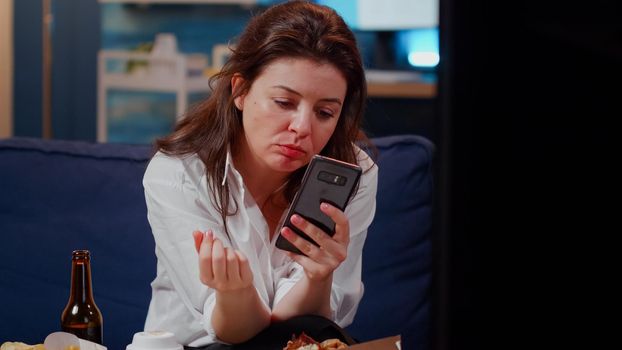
(325, 180)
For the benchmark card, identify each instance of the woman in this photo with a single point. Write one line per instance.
(220, 183)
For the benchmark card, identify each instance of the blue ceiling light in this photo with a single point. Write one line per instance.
(423, 59)
(421, 46)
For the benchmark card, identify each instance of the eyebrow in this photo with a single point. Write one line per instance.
(328, 99)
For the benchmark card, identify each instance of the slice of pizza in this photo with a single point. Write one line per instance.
(302, 342)
(305, 342)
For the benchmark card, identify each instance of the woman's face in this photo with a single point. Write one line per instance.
(289, 113)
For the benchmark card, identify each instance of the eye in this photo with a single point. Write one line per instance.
(284, 104)
(324, 113)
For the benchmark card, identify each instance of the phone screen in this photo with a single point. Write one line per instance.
(325, 180)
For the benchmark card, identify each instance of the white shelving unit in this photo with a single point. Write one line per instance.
(169, 74)
(161, 74)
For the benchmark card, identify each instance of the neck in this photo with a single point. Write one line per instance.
(262, 182)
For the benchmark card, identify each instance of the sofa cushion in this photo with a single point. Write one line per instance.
(397, 254)
(58, 196)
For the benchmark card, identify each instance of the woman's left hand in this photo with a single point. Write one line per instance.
(320, 261)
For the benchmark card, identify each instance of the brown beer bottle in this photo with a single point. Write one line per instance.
(81, 316)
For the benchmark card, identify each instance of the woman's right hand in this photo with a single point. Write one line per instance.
(220, 268)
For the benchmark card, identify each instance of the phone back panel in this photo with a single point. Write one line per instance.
(325, 180)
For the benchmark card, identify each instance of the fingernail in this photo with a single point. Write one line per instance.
(285, 232)
(324, 206)
(296, 219)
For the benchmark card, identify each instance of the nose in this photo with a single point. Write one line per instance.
(301, 122)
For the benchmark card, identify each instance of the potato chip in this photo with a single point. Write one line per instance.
(333, 344)
(20, 346)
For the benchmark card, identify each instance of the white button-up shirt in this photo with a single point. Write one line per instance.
(179, 202)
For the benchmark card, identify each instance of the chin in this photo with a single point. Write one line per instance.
(288, 165)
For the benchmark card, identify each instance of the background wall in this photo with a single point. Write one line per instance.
(82, 27)
(27, 68)
(6, 68)
(75, 28)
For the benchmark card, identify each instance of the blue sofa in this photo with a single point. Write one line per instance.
(58, 196)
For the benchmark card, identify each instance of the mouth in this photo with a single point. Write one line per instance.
(292, 151)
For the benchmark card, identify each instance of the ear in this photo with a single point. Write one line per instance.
(236, 83)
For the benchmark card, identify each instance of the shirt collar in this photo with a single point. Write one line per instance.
(228, 163)
(230, 170)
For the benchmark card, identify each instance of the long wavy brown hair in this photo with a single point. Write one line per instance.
(295, 29)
